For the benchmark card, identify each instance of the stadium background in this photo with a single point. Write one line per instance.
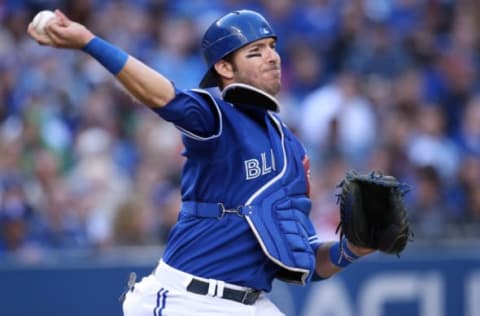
(89, 179)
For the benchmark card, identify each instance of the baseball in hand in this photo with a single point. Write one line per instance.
(41, 19)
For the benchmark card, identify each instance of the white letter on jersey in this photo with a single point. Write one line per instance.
(265, 169)
(252, 168)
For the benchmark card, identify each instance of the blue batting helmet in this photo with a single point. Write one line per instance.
(229, 33)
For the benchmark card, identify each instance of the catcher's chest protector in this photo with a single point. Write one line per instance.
(278, 212)
(278, 206)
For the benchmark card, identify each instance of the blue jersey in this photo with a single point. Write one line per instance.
(229, 157)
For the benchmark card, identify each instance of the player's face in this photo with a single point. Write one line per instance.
(258, 65)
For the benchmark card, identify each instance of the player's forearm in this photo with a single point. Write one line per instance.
(145, 84)
(324, 266)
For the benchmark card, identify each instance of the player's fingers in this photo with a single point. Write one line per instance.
(63, 19)
(50, 23)
(56, 32)
(54, 36)
(29, 29)
(39, 38)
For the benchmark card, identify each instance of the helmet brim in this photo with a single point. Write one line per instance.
(209, 80)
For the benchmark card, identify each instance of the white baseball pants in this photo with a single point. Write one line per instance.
(163, 293)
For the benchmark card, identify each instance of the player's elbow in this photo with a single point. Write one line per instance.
(155, 101)
(150, 99)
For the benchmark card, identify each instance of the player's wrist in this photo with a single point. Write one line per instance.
(87, 37)
(110, 56)
(341, 255)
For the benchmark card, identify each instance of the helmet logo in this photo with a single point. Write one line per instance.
(264, 30)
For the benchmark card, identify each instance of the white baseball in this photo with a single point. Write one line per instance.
(41, 19)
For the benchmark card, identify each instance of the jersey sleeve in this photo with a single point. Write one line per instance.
(192, 113)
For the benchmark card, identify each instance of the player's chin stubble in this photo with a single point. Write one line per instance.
(269, 81)
(273, 85)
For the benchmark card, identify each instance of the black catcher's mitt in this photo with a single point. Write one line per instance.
(372, 211)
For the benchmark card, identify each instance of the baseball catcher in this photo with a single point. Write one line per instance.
(372, 211)
(244, 220)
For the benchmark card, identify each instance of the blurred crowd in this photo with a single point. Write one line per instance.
(389, 85)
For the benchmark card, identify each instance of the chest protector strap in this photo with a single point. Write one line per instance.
(212, 210)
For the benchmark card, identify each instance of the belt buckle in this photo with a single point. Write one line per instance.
(223, 210)
(245, 296)
(250, 300)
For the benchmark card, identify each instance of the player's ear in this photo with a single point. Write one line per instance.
(224, 69)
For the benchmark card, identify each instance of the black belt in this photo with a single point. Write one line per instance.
(248, 297)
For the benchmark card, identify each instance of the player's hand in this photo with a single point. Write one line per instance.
(62, 32)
